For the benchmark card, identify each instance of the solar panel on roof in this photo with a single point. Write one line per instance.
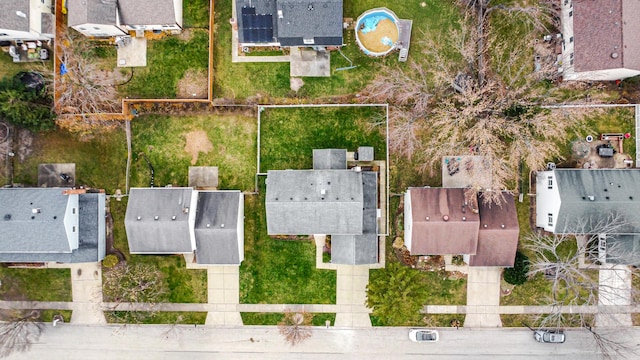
(257, 28)
(248, 10)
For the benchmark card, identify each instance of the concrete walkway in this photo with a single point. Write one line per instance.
(614, 289)
(351, 295)
(223, 285)
(86, 288)
(483, 297)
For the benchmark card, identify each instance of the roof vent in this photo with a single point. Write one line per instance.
(502, 226)
(323, 191)
(592, 198)
(7, 217)
(445, 218)
(208, 225)
(21, 14)
(221, 225)
(139, 218)
(485, 226)
(156, 217)
(310, 7)
(185, 210)
(464, 218)
(614, 55)
(173, 217)
(426, 218)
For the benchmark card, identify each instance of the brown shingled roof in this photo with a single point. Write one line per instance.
(442, 222)
(606, 34)
(498, 238)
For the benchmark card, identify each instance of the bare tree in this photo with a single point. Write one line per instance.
(295, 327)
(19, 332)
(84, 89)
(134, 283)
(449, 107)
(571, 260)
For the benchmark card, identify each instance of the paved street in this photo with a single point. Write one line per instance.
(68, 341)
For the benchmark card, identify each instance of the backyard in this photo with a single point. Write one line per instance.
(271, 80)
(172, 144)
(289, 135)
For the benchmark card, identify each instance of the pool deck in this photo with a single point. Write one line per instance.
(404, 38)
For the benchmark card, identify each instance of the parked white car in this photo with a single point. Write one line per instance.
(549, 336)
(423, 335)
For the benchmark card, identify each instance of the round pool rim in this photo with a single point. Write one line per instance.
(385, 12)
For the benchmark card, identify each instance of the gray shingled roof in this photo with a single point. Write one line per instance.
(613, 191)
(323, 23)
(216, 227)
(157, 220)
(147, 12)
(91, 230)
(91, 12)
(317, 19)
(22, 230)
(9, 19)
(361, 249)
(623, 249)
(327, 159)
(314, 202)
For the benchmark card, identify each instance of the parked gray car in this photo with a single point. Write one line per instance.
(549, 336)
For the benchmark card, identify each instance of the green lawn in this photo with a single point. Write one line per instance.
(289, 135)
(185, 285)
(275, 318)
(280, 271)
(167, 61)
(242, 80)
(163, 140)
(165, 317)
(35, 284)
(196, 14)
(100, 159)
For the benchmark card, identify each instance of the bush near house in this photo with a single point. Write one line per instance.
(517, 275)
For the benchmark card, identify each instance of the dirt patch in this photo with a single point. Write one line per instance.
(193, 85)
(296, 83)
(185, 35)
(197, 142)
(378, 40)
(25, 142)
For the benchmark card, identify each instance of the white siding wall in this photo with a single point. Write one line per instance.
(547, 200)
(241, 228)
(99, 30)
(72, 220)
(408, 219)
(192, 219)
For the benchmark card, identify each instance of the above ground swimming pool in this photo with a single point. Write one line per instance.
(377, 31)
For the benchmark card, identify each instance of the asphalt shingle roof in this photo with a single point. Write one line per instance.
(157, 220)
(9, 18)
(216, 227)
(314, 202)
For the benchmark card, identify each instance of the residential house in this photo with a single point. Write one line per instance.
(601, 39)
(327, 200)
(443, 221)
(26, 20)
(176, 220)
(51, 225)
(108, 18)
(579, 201)
(286, 23)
